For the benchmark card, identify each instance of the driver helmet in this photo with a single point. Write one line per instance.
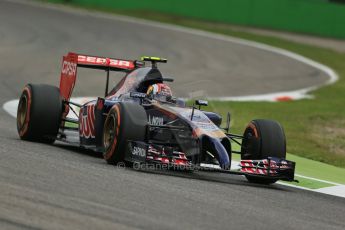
(159, 89)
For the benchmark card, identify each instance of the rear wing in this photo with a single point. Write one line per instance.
(72, 61)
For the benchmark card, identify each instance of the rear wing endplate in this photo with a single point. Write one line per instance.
(71, 61)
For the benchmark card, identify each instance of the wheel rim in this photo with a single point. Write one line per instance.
(109, 132)
(22, 111)
(247, 145)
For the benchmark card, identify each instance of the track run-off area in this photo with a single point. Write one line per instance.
(61, 187)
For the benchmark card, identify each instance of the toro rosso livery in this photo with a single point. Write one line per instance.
(140, 121)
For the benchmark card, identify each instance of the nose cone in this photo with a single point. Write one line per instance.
(219, 149)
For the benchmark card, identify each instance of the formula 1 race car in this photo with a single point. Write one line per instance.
(139, 121)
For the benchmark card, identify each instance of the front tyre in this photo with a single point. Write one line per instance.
(125, 121)
(263, 139)
(39, 113)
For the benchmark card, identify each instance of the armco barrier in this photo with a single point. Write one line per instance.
(319, 17)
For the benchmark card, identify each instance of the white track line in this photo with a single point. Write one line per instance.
(11, 107)
(319, 180)
(287, 95)
(335, 190)
(338, 190)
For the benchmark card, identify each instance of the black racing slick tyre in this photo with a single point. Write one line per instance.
(262, 139)
(125, 121)
(39, 113)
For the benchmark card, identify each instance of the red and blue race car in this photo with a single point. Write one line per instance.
(140, 122)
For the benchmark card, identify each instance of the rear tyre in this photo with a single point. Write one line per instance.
(262, 139)
(39, 113)
(125, 121)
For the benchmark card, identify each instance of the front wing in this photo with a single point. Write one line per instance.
(270, 168)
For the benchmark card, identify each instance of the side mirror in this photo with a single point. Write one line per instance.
(201, 103)
(227, 127)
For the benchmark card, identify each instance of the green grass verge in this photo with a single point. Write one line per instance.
(306, 183)
(315, 129)
(319, 170)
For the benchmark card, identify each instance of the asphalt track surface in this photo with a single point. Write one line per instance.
(59, 187)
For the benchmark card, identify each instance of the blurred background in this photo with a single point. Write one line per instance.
(317, 17)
